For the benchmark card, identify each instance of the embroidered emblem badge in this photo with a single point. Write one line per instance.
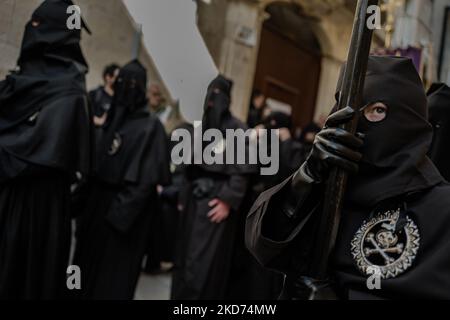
(380, 244)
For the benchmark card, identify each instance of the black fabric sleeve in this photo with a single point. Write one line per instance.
(276, 223)
(135, 196)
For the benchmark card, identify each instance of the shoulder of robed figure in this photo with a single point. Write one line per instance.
(71, 98)
(149, 123)
(437, 197)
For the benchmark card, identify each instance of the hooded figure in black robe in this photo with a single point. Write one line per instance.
(44, 140)
(439, 109)
(132, 159)
(395, 214)
(205, 248)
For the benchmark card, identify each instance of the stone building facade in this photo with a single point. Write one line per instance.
(220, 22)
(234, 33)
(421, 24)
(113, 39)
(440, 24)
(242, 37)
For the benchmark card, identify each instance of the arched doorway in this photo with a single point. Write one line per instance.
(289, 60)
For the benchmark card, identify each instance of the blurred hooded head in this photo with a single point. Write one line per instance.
(131, 86)
(47, 34)
(217, 103)
(278, 120)
(394, 119)
(129, 96)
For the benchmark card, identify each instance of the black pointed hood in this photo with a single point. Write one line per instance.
(129, 100)
(131, 86)
(395, 158)
(51, 65)
(47, 35)
(44, 117)
(217, 103)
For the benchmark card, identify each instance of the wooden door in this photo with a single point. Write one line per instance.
(289, 73)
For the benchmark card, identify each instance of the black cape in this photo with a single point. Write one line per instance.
(116, 222)
(395, 175)
(45, 138)
(204, 254)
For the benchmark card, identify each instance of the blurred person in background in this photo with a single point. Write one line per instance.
(132, 159)
(156, 100)
(101, 98)
(256, 111)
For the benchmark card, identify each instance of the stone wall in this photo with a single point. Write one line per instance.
(238, 61)
(219, 23)
(112, 40)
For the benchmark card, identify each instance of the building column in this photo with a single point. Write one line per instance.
(238, 25)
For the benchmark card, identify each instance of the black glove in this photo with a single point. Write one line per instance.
(333, 147)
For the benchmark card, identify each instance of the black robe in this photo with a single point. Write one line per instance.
(115, 225)
(45, 138)
(283, 243)
(395, 212)
(205, 249)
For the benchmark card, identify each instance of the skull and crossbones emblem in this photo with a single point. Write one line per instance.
(379, 244)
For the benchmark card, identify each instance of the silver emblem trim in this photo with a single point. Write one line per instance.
(385, 245)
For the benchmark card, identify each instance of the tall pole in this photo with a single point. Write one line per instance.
(350, 95)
